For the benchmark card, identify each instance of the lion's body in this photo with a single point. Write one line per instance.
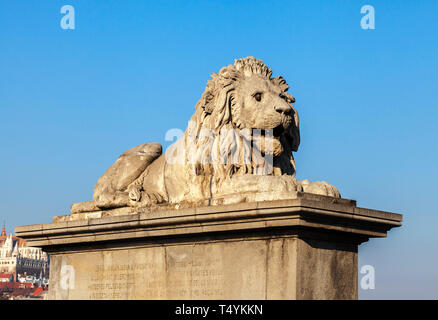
(239, 141)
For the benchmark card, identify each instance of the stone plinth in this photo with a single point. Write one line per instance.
(305, 248)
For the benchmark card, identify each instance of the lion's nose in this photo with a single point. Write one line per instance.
(285, 109)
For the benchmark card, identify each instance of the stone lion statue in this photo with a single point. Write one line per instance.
(237, 147)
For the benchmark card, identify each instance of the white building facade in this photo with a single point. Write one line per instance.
(17, 258)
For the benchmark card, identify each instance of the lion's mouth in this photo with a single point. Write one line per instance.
(277, 132)
(268, 140)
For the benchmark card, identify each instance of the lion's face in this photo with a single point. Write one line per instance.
(248, 113)
(261, 105)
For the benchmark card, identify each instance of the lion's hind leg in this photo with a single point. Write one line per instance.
(111, 190)
(107, 200)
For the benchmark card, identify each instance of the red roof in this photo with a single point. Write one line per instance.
(21, 241)
(37, 292)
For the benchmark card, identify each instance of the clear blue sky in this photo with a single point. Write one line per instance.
(71, 101)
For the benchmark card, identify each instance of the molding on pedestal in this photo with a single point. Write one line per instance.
(311, 215)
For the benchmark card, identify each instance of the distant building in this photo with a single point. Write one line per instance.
(6, 277)
(28, 263)
(24, 271)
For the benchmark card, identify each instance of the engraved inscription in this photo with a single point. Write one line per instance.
(199, 279)
(117, 281)
(182, 277)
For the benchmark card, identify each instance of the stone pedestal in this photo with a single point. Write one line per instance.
(305, 248)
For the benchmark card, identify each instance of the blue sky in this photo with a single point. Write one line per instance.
(71, 101)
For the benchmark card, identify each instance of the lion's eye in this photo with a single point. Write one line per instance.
(258, 96)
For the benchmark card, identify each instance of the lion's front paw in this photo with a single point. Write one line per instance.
(320, 187)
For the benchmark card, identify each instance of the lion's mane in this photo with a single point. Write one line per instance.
(216, 143)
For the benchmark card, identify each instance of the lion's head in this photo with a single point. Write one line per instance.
(244, 123)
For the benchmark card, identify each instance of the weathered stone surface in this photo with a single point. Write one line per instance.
(305, 248)
(242, 269)
(326, 270)
(237, 148)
